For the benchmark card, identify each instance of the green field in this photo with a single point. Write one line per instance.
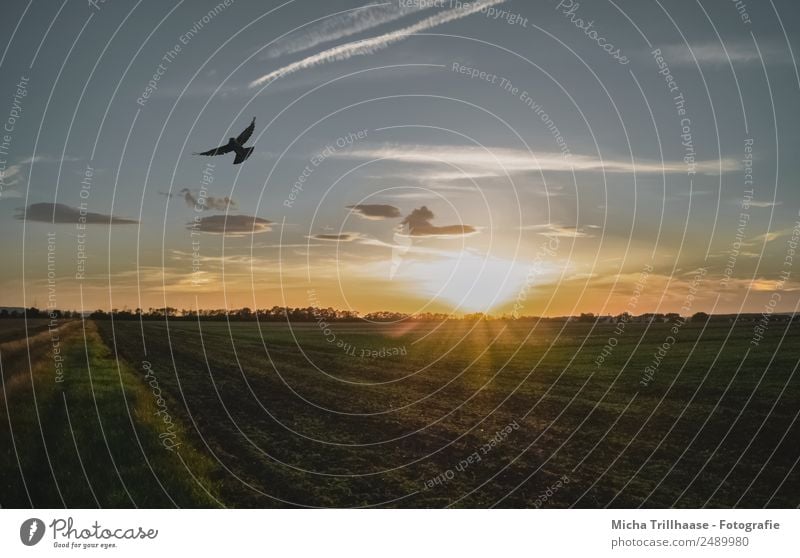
(272, 415)
(83, 433)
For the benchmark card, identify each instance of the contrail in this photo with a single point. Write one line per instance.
(344, 25)
(368, 46)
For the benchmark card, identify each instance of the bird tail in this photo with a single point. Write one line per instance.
(241, 156)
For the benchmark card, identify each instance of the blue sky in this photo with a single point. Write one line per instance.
(401, 119)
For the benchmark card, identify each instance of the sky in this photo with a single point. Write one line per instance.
(527, 158)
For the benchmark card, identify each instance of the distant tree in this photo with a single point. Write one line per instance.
(699, 317)
(124, 315)
(474, 317)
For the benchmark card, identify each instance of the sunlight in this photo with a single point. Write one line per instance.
(470, 281)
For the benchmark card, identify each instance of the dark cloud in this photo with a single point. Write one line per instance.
(376, 211)
(342, 237)
(60, 213)
(208, 203)
(419, 224)
(231, 225)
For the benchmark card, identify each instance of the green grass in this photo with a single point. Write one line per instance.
(93, 439)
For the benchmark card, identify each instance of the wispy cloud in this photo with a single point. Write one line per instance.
(207, 203)
(552, 229)
(230, 225)
(764, 204)
(476, 162)
(343, 25)
(204, 202)
(9, 194)
(767, 237)
(411, 196)
(373, 44)
(738, 52)
(12, 174)
(437, 175)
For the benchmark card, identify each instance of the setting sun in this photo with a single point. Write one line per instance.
(469, 281)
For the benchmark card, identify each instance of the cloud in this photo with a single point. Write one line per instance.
(739, 52)
(341, 237)
(478, 162)
(419, 224)
(230, 225)
(373, 44)
(9, 194)
(563, 231)
(764, 204)
(438, 175)
(208, 203)
(412, 196)
(375, 212)
(762, 284)
(12, 173)
(342, 25)
(60, 213)
(767, 237)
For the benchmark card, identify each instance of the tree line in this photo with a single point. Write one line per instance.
(315, 314)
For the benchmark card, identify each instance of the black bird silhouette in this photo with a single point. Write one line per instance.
(235, 144)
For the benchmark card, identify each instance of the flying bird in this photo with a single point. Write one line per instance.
(235, 144)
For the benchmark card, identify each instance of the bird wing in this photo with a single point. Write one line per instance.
(221, 150)
(245, 135)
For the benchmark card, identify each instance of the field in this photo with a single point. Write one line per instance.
(465, 414)
(83, 433)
